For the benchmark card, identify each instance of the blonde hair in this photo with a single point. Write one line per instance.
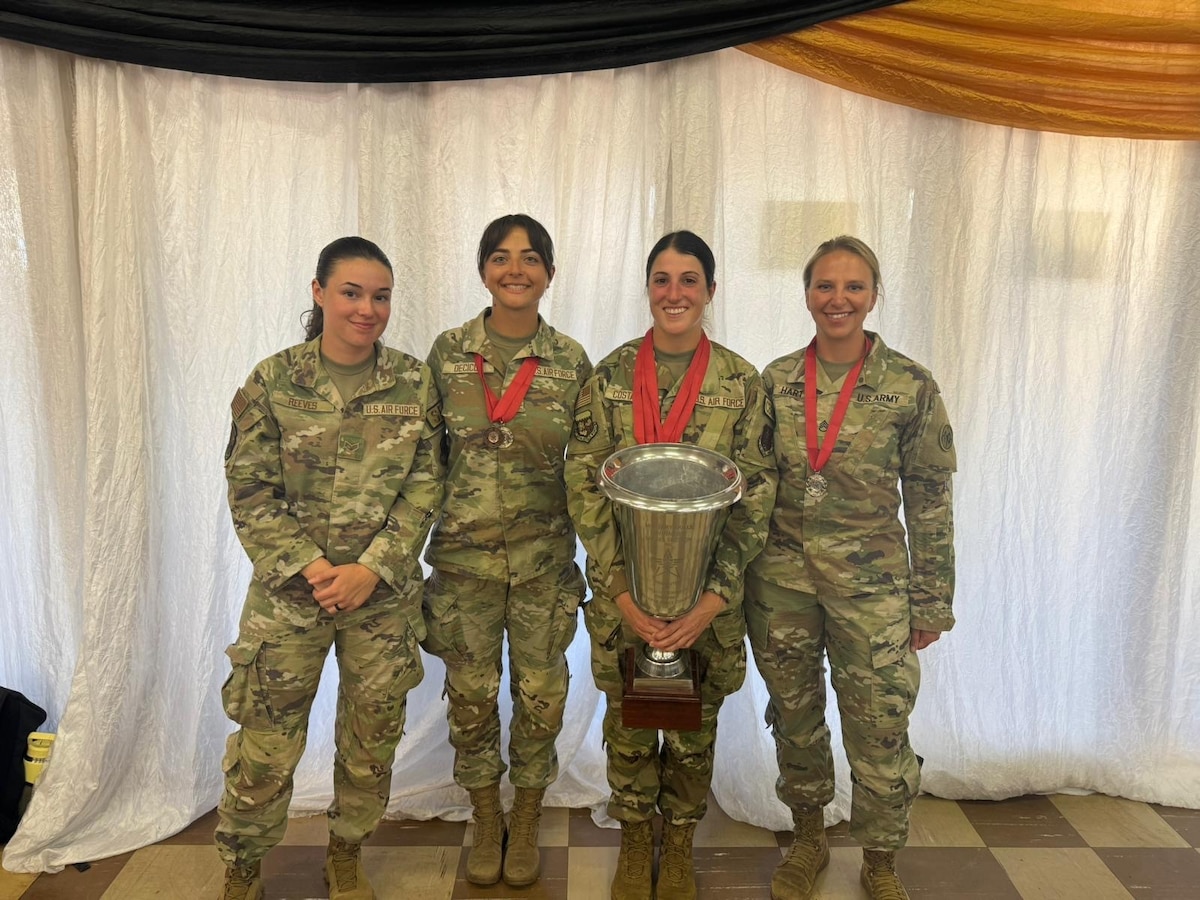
(851, 245)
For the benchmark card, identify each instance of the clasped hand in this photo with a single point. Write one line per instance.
(339, 588)
(677, 634)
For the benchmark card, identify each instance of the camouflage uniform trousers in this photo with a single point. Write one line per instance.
(875, 677)
(643, 775)
(277, 663)
(466, 619)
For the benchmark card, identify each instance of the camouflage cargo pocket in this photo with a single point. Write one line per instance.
(729, 628)
(443, 621)
(723, 671)
(410, 669)
(912, 775)
(244, 693)
(896, 676)
(889, 643)
(566, 614)
(565, 624)
(604, 626)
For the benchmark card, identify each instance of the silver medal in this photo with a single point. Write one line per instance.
(816, 485)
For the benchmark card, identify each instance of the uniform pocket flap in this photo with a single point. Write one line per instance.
(729, 628)
(243, 653)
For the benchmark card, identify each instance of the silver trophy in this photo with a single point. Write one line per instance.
(670, 502)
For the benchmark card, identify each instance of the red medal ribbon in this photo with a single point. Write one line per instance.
(648, 427)
(817, 460)
(502, 410)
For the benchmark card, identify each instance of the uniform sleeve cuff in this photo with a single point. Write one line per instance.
(617, 583)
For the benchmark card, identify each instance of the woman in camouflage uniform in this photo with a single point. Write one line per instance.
(334, 480)
(709, 396)
(503, 552)
(852, 419)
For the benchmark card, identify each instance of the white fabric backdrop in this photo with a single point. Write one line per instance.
(157, 234)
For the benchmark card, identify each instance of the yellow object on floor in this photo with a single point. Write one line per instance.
(37, 753)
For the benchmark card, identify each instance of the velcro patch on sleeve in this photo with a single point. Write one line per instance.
(241, 400)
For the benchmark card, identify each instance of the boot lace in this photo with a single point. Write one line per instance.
(489, 821)
(806, 847)
(673, 860)
(637, 850)
(882, 879)
(345, 866)
(523, 823)
(239, 883)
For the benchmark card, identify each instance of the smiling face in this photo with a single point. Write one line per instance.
(356, 300)
(515, 275)
(840, 293)
(678, 295)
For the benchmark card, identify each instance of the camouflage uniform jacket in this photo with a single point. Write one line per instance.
(729, 418)
(851, 541)
(505, 513)
(310, 476)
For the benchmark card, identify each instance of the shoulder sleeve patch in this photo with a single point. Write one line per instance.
(586, 427)
(241, 400)
(584, 400)
(946, 438)
(766, 440)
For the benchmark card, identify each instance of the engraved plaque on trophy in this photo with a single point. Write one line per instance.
(670, 502)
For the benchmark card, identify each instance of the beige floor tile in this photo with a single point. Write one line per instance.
(590, 872)
(1059, 873)
(1115, 822)
(940, 823)
(839, 880)
(177, 871)
(716, 829)
(554, 831)
(404, 873)
(309, 831)
(13, 884)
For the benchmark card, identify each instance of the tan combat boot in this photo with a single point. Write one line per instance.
(879, 876)
(344, 873)
(632, 881)
(809, 854)
(487, 847)
(243, 883)
(522, 862)
(676, 874)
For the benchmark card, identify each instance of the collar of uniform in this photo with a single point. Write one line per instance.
(709, 387)
(870, 376)
(475, 339)
(307, 369)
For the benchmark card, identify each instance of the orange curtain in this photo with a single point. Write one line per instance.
(1112, 68)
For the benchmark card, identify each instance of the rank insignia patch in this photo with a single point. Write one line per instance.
(351, 446)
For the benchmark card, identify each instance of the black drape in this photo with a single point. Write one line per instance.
(18, 717)
(387, 42)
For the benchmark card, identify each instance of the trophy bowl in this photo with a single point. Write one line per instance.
(670, 502)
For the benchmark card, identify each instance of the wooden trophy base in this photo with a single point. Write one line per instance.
(672, 704)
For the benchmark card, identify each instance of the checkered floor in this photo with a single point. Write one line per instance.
(1049, 848)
